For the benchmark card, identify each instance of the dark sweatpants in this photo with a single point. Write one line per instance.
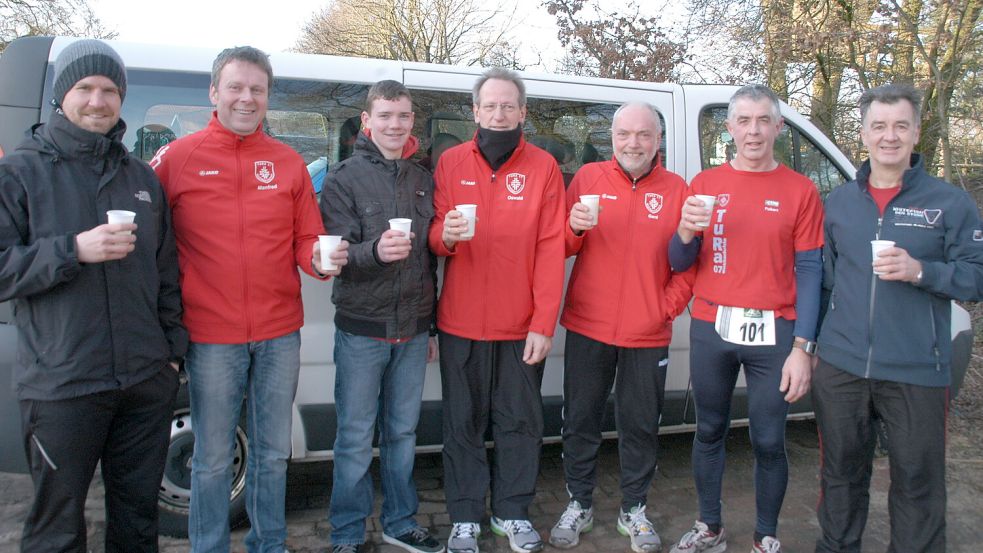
(639, 379)
(128, 430)
(482, 382)
(914, 417)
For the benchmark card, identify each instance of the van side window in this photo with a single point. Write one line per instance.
(792, 147)
(317, 119)
(574, 132)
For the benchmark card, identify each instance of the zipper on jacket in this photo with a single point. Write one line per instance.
(935, 338)
(242, 240)
(621, 286)
(870, 310)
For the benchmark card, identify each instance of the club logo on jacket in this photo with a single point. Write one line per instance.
(723, 200)
(143, 196)
(264, 171)
(915, 217)
(653, 203)
(515, 183)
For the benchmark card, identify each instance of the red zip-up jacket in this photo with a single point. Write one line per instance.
(245, 218)
(508, 280)
(622, 291)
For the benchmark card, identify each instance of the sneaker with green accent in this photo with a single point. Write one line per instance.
(464, 538)
(523, 538)
(574, 521)
(639, 530)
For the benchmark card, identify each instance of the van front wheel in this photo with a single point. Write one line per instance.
(174, 496)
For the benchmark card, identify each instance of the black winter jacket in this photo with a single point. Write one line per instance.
(891, 330)
(360, 195)
(85, 327)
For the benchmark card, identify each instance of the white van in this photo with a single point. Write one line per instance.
(314, 107)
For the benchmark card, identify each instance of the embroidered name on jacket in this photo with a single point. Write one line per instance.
(916, 217)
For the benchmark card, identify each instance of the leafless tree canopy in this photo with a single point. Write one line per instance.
(822, 54)
(461, 32)
(620, 45)
(48, 17)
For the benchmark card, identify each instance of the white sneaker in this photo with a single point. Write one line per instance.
(574, 521)
(767, 545)
(639, 530)
(464, 538)
(700, 539)
(523, 538)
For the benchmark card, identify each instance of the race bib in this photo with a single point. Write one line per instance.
(746, 326)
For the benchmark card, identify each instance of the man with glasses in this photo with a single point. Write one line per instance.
(497, 311)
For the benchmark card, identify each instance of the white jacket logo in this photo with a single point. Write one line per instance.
(515, 182)
(653, 202)
(264, 171)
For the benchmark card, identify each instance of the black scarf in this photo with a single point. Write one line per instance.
(497, 146)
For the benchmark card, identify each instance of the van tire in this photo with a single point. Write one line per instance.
(175, 488)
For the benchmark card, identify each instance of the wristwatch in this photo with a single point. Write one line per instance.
(809, 347)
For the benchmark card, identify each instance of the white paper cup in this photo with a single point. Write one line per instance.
(468, 210)
(708, 202)
(402, 225)
(329, 243)
(875, 247)
(593, 202)
(120, 216)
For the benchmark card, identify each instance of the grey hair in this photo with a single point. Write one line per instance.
(247, 54)
(502, 74)
(755, 93)
(892, 94)
(650, 107)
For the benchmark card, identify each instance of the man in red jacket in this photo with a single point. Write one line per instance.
(497, 311)
(245, 218)
(619, 323)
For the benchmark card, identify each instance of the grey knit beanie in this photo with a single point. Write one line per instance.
(85, 58)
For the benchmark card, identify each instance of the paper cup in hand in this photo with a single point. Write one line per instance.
(402, 225)
(329, 243)
(592, 201)
(876, 246)
(120, 216)
(708, 202)
(468, 210)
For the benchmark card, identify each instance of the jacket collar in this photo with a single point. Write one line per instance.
(66, 139)
(654, 171)
(228, 138)
(909, 178)
(365, 145)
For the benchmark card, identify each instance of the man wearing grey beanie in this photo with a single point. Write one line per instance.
(98, 311)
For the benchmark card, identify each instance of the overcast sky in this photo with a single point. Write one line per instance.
(270, 26)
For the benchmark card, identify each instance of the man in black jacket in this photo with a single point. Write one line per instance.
(884, 346)
(384, 318)
(97, 307)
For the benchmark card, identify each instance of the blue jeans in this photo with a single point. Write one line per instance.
(375, 380)
(219, 376)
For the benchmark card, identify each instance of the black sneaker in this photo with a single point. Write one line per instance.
(417, 540)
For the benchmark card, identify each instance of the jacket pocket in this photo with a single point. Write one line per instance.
(374, 221)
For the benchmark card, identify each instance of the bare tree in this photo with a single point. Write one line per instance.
(464, 32)
(824, 53)
(620, 45)
(49, 17)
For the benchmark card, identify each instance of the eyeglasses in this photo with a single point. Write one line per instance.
(492, 108)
